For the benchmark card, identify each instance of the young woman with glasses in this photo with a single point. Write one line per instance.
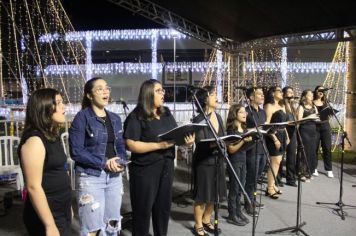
(96, 145)
(151, 169)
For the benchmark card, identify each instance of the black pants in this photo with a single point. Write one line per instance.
(151, 192)
(235, 191)
(291, 154)
(255, 164)
(323, 136)
(308, 136)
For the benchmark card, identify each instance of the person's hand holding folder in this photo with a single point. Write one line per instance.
(189, 139)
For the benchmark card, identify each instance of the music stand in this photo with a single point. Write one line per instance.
(300, 152)
(340, 203)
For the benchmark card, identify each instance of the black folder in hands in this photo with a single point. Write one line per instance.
(326, 112)
(227, 139)
(254, 134)
(178, 133)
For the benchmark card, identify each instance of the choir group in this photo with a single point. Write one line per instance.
(98, 141)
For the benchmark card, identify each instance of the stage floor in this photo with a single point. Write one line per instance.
(320, 219)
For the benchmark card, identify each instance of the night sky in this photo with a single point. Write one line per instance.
(102, 14)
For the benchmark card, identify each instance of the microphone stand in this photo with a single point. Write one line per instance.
(300, 153)
(126, 217)
(222, 151)
(189, 191)
(340, 203)
(124, 105)
(260, 139)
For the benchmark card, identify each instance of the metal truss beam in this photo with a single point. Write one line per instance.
(167, 18)
(316, 37)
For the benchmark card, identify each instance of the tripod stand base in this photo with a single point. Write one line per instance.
(294, 229)
(339, 210)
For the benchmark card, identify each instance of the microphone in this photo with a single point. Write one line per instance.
(350, 92)
(192, 88)
(123, 103)
(324, 89)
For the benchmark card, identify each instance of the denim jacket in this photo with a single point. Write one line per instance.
(88, 138)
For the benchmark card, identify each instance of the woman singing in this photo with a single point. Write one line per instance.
(151, 170)
(47, 208)
(323, 132)
(96, 144)
(236, 125)
(278, 141)
(204, 164)
(308, 132)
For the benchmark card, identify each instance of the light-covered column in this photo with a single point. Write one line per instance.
(350, 123)
(284, 67)
(219, 62)
(88, 62)
(154, 39)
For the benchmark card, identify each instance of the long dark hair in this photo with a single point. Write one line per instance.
(304, 94)
(269, 95)
(145, 103)
(232, 116)
(316, 93)
(202, 96)
(88, 87)
(286, 101)
(40, 108)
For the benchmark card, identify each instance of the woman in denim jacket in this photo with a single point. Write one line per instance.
(96, 146)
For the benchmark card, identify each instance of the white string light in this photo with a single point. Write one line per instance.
(129, 68)
(113, 35)
(296, 67)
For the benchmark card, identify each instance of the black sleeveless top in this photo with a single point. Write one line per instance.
(320, 108)
(56, 185)
(308, 112)
(55, 178)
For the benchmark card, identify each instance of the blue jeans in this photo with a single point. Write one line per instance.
(255, 165)
(99, 203)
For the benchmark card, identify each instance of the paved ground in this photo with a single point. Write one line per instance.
(320, 219)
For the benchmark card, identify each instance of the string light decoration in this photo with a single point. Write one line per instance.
(24, 57)
(337, 79)
(296, 67)
(130, 68)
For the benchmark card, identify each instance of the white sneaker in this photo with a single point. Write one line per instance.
(316, 173)
(330, 174)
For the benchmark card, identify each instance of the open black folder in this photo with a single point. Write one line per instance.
(326, 112)
(177, 134)
(228, 139)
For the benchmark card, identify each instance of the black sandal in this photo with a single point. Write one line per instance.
(210, 228)
(273, 195)
(198, 231)
(278, 191)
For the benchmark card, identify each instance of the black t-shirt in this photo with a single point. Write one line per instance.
(261, 118)
(240, 155)
(147, 131)
(109, 152)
